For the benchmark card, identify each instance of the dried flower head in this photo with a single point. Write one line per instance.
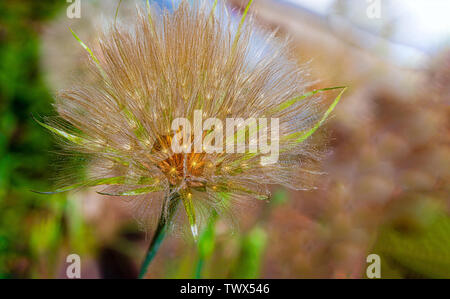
(165, 66)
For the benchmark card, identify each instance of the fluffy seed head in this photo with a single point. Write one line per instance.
(168, 65)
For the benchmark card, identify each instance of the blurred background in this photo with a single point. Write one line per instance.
(386, 187)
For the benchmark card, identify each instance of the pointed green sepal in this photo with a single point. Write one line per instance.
(302, 136)
(190, 212)
(94, 58)
(73, 138)
(106, 181)
(139, 191)
(292, 101)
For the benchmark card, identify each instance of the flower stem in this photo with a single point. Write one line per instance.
(160, 233)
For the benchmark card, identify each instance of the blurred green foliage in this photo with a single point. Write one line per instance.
(24, 146)
(415, 243)
(249, 263)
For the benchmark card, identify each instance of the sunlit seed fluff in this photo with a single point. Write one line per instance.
(165, 66)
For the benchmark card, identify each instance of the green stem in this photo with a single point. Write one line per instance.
(160, 232)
